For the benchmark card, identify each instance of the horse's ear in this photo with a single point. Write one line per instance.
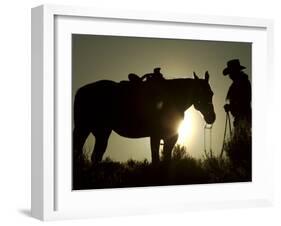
(195, 76)
(207, 76)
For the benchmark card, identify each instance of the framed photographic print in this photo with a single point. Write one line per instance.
(136, 112)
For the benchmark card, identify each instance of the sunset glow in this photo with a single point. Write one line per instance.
(185, 129)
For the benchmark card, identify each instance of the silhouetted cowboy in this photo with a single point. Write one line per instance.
(239, 95)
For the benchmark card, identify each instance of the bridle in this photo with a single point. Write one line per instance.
(227, 122)
(208, 127)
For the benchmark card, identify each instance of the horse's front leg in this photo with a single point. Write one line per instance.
(169, 144)
(154, 145)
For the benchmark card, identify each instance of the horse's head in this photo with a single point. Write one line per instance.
(203, 98)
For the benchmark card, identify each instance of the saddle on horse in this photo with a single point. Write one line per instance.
(155, 76)
(144, 95)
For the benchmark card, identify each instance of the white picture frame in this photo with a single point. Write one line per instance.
(52, 197)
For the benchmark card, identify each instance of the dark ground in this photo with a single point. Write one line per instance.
(235, 166)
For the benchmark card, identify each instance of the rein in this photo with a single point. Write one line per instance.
(207, 128)
(227, 122)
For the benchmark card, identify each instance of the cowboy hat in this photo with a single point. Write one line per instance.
(233, 65)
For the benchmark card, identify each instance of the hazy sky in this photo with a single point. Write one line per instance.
(113, 58)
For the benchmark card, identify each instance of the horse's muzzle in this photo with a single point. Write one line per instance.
(210, 118)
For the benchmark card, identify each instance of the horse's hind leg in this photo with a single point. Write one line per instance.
(100, 144)
(154, 146)
(79, 137)
(169, 144)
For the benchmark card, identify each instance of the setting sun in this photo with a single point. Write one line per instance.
(185, 129)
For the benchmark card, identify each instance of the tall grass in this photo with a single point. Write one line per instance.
(183, 169)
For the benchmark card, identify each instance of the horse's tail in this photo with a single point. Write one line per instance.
(77, 107)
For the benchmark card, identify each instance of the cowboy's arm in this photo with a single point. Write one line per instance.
(241, 99)
(227, 106)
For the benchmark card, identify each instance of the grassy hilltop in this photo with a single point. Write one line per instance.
(183, 169)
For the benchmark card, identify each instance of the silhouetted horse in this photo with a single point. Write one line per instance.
(148, 109)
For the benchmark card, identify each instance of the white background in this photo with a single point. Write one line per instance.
(15, 112)
(153, 198)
